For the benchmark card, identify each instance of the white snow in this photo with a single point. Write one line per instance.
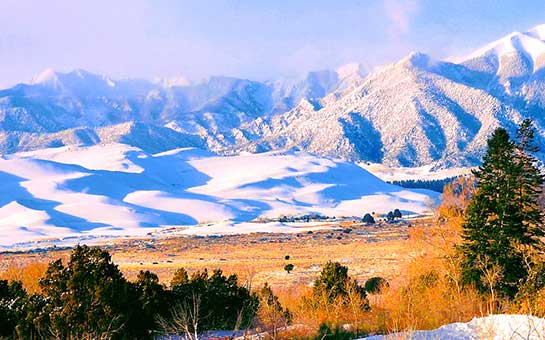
(120, 190)
(426, 172)
(494, 327)
(47, 75)
(348, 70)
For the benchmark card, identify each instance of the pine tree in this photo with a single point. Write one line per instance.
(90, 298)
(503, 216)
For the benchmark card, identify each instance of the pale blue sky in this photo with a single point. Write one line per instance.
(253, 39)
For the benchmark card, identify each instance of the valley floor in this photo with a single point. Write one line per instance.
(379, 250)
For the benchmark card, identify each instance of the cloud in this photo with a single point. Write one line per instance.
(400, 13)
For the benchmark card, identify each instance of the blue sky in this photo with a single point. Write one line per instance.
(254, 39)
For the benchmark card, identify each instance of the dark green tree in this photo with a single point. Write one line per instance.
(289, 267)
(397, 213)
(503, 216)
(367, 218)
(89, 297)
(390, 217)
(222, 302)
(181, 277)
(334, 282)
(12, 307)
(375, 285)
(153, 298)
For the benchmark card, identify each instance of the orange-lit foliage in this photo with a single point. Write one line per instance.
(455, 199)
(428, 298)
(29, 274)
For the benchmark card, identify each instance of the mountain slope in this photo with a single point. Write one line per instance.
(415, 112)
(57, 103)
(409, 113)
(116, 189)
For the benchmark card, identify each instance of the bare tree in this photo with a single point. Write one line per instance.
(184, 320)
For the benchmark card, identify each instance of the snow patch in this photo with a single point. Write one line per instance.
(496, 327)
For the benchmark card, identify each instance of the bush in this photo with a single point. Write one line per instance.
(390, 217)
(337, 333)
(289, 267)
(334, 282)
(375, 285)
(367, 218)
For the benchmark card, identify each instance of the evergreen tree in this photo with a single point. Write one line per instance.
(334, 281)
(222, 301)
(367, 218)
(12, 307)
(390, 217)
(503, 215)
(289, 267)
(153, 298)
(271, 314)
(90, 298)
(375, 285)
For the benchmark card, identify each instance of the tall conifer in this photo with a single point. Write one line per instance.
(503, 216)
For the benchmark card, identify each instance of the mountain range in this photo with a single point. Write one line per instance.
(417, 111)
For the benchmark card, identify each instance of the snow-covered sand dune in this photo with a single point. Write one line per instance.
(120, 190)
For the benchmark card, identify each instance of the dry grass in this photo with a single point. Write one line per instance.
(423, 292)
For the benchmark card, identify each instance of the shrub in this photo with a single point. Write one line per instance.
(289, 267)
(334, 282)
(390, 217)
(375, 285)
(334, 332)
(367, 218)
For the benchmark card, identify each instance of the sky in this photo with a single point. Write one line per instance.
(253, 39)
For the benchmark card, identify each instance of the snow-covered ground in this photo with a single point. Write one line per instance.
(494, 327)
(119, 190)
(427, 172)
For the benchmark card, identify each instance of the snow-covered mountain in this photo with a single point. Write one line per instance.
(417, 111)
(420, 111)
(77, 107)
(117, 189)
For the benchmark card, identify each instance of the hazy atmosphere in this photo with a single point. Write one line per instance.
(272, 170)
(250, 39)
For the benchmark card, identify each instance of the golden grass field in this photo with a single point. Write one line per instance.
(379, 250)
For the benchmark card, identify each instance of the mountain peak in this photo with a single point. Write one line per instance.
(347, 70)
(416, 59)
(538, 32)
(179, 81)
(48, 75)
(530, 43)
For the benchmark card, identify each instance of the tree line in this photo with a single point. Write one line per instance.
(89, 298)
